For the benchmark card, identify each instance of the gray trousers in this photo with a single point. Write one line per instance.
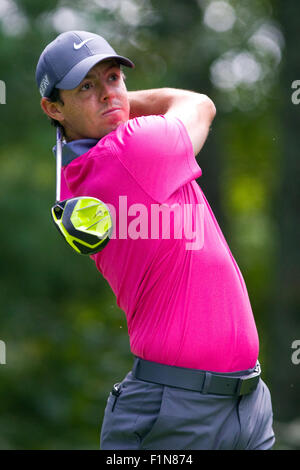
(152, 416)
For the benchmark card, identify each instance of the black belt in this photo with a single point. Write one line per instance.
(197, 380)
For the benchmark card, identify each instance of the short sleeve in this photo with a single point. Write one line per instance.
(158, 153)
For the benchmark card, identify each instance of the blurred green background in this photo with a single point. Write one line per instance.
(66, 339)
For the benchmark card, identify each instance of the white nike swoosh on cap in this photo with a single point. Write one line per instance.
(80, 44)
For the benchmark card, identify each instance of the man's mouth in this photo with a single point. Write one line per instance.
(111, 111)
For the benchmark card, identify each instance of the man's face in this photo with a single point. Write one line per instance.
(98, 105)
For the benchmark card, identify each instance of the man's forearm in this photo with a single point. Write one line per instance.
(196, 111)
(157, 101)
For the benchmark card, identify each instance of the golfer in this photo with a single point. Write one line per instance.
(195, 381)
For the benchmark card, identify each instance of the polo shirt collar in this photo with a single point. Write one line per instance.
(74, 149)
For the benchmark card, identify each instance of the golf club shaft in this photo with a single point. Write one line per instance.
(58, 162)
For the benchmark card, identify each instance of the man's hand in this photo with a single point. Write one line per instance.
(195, 110)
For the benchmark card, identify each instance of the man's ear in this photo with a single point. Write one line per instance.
(52, 109)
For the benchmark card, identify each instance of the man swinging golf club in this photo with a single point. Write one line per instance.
(195, 381)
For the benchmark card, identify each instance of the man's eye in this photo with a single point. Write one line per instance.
(86, 86)
(114, 77)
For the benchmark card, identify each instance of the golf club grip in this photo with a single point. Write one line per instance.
(58, 162)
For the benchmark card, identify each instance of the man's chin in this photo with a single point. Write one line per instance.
(110, 129)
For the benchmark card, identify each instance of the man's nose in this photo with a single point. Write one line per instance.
(106, 93)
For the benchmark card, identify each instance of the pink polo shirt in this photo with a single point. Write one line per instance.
(168, 262)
